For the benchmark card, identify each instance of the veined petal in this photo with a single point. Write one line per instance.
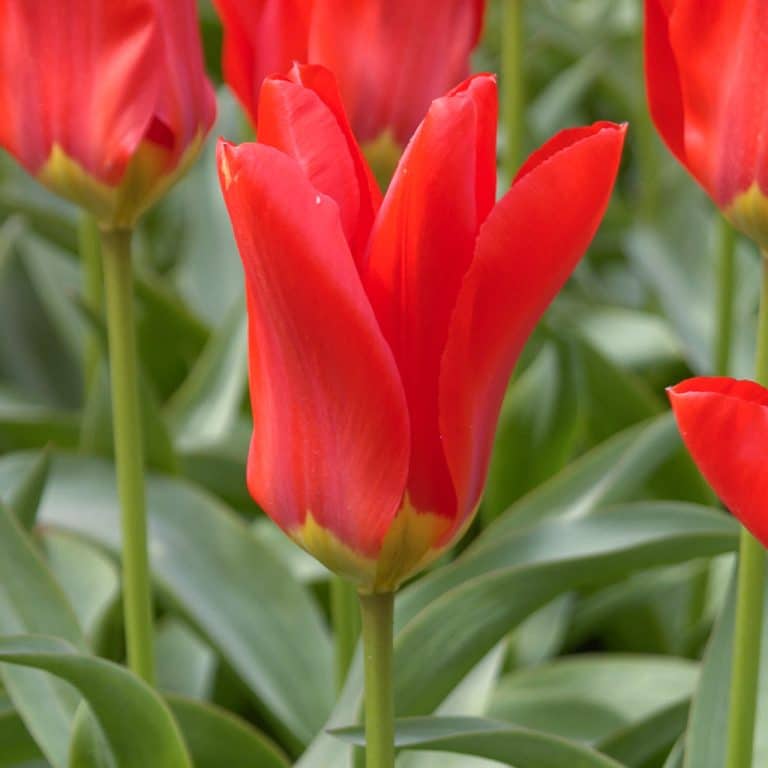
(186, 99)
(302, 116)
(330, 442)
(526, 250)
(724, 424)
(662, 78)
(722, 65)
(82, 81)
(421, 246)
(392, 57)
(261, 37)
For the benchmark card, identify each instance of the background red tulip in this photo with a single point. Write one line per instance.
(724, 424)
(391, 57)
(382, 338)
(706, 65)
(107, 102)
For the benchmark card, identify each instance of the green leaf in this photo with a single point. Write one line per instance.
(31, 601)
(453, 617)
(607, 474)
(89, 578)
(230, 587)
(518, 747)
(641, 743)
(205, 407)
(217, 738)
(185, 664)
(25, 497)
(89, 747)
(138, 726)
(17, 745)
(578, 697)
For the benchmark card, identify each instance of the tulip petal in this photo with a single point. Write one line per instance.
(261, 37)
(421, 246)
(662, 78)
(526, 250)
(720, 65)
(186, 100)
(302, 116)
(724, 424)
(393, 57)
(330, 443)
(110, 66)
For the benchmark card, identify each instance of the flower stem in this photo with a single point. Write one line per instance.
(377, 611)
(118, 281)
(513, 84)
(749, 602)
(345, 616)
(726, 249)
(88, 245)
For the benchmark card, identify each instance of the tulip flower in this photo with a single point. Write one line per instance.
(106, 103)
(705, 67)
(391, 57)
(383, 333)
(724, 424)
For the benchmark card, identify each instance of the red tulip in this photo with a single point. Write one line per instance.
(107, 102)
(382, 334)
(391, 57)
(706, 66)
(724, 424)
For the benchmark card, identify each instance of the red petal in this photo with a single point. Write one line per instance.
(81, 75)
(330, 423)
(421, 246)
(392, 57)
(526, 250)
(724, 424)
(261, 37)
(721, 63)
(304, 118)
(186, 99)
(662, 79)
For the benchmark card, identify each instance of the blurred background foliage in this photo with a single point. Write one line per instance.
(584, 598)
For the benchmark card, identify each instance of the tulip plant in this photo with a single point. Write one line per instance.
(343, 438)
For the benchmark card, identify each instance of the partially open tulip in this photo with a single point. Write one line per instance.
(383, 333)
(706, 67)
(104, 102)
(724, 425)
(391, 57)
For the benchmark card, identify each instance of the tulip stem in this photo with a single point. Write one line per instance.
(88, 245)
(726, 251)
(377, 611)
(137, 592)
(513, 84)
(345, 616)
(749, 602)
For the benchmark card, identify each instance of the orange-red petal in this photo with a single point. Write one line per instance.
(724, 424)
(330, 440)
(526, 250)
(421, 246)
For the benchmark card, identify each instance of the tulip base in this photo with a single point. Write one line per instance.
(126, 416)
(377, 611)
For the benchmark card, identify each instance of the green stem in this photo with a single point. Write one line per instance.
(749, 602)
(513, 83)
(118, 280)
(726, 250)
(88, 243)
(377, 613)
(345, 615)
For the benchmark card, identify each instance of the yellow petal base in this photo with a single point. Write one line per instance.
(411, 543)
(749, 214)
(145, 181)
